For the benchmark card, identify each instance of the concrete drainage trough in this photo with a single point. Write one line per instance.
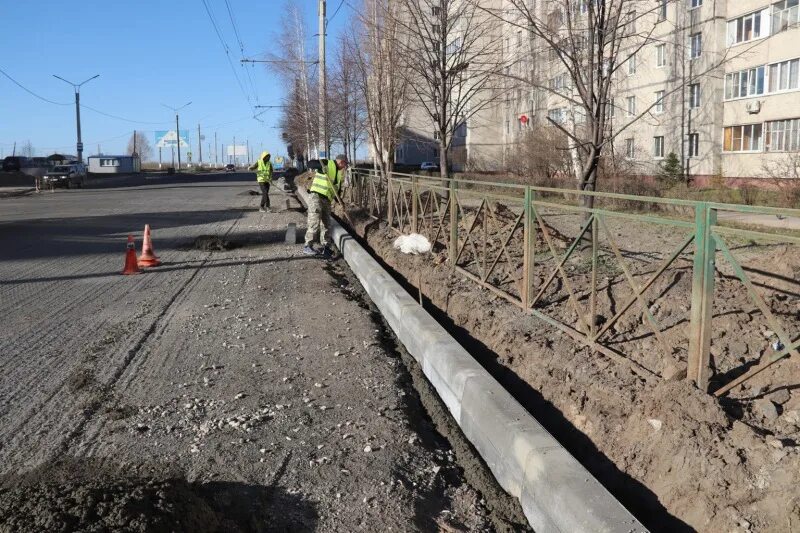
(556, 492)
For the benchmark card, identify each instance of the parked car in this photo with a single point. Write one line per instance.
(429, 166)
(65, 176)
(230, 167)
(14, 163)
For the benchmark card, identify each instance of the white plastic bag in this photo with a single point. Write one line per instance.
(412, 244)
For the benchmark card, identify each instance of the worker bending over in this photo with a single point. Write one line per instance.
(263, 168)
(323, 190)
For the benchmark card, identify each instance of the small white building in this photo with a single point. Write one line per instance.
(114, 164)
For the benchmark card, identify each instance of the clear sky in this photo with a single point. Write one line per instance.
(148, 53)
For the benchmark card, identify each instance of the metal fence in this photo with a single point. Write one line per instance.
(545, 251)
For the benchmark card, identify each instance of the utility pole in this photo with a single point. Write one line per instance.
(199, 146)
(248, 152)
(216, 153)
(323, 105)
(159, 158)
(134, 142)
(77, 87)
(177, 130)
(234, 150)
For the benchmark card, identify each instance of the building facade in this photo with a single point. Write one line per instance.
(113, 164)
(714, 82)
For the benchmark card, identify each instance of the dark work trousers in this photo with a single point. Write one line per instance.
(264, 194)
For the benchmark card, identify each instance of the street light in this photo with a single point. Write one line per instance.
(177, 129)
(77, 87)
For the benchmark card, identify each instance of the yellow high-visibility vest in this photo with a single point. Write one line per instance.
(320, 184)
(264, 172)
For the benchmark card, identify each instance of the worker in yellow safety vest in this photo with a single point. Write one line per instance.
(324, 188)
(263, 168)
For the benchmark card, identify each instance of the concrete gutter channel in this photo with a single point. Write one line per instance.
(556, 492)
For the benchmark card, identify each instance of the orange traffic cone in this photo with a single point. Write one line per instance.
(148, 257)
(130, 259)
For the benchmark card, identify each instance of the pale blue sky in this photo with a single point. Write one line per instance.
(147, 53)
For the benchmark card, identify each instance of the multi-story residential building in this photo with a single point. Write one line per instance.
(715, 82)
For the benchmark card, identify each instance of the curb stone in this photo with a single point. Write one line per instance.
(556, 492)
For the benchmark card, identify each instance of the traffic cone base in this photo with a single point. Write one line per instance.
(148, 257)
(130, 259)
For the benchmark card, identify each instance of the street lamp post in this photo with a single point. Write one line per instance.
(177, 130)
(77, 87)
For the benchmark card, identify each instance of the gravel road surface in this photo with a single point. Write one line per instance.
(240, 386)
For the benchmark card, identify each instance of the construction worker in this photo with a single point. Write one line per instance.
(263, 168)
(323, 190)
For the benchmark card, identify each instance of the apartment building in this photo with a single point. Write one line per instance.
(714, 82)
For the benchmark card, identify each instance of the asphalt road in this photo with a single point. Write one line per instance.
(249, 388)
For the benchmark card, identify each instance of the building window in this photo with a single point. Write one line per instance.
(658, 147)
(662, 10)
(745, 138)
(630, 148)
(695, 45)
(632, 64)
(783, 136)
(661, 55)
(694, 95)
(695, 4)
(632, 22)
(783, 76)
(631, 105)
(557, 115)
(436, 11)
(659, 107)
(744, 83)
(747, 28)
(435, 135)
(694, 144)
(784, 15)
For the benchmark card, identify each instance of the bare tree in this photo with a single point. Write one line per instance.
(142, 146)
(300, 115)
(453, 52)
(380, 76)
(347, 122)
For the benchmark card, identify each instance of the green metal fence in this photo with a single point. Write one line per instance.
(515, 241)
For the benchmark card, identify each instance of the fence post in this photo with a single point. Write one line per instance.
(414, 204)
(389, 200)
(528, 238)
(453, 247)
(702, 296)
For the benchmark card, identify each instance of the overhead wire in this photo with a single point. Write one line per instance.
(252, 85)
(18, 84)
(226, 49)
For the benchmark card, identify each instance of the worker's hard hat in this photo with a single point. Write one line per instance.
(264, 154)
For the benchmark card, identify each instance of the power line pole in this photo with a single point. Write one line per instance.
(177, 130)
(199, 146)
(323, 107)
(248, 152)
(234, 150)
(216, 153)
(134, 142)
(77, 87)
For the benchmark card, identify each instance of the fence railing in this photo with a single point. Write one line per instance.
(545, 251)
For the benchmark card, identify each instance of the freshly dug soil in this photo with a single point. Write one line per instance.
(677, 457)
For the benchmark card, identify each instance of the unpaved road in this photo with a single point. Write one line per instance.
(247, 389)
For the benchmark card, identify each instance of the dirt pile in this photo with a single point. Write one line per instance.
(675, 456)
(212, 243)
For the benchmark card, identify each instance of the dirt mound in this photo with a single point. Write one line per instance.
(89, 496)
(95, 505)
(212, 243)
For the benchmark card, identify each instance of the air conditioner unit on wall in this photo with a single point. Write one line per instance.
(753, 107)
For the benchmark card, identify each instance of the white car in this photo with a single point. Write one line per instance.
(429, 166)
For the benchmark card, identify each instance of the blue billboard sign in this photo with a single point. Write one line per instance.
(168, 139)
